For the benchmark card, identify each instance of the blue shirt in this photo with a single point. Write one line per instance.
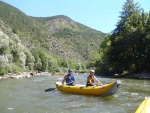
(70, 79)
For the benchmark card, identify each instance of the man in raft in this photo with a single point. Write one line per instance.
(91, 80)
(69, 78)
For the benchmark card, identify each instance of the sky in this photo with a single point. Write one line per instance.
(101, 15)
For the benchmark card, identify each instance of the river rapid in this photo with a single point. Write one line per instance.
(27, 95)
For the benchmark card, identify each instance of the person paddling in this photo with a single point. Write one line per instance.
(91, 80)
(69, 78)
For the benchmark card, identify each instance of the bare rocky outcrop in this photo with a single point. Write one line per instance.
(22, 75)
(56, 24)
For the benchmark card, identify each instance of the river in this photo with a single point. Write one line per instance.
(27, 95)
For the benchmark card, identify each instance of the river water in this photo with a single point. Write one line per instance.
(27, 95)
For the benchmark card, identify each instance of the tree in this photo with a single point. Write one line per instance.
(127, 43)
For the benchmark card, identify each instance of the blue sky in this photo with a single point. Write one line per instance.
(101, 15)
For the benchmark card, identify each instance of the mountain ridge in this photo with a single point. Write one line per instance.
(56, 36)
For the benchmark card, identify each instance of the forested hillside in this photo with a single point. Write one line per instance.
(44, 43)
(72, 35)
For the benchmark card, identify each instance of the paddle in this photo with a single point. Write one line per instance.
(50, 89)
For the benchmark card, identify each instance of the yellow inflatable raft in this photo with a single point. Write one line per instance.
(107, 90)
(144, 106)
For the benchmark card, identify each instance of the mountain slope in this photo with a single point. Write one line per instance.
(58, 35)
(79, 38)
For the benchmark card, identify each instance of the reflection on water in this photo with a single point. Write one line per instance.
(29, 96)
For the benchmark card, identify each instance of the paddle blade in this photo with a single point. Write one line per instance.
(50, 89)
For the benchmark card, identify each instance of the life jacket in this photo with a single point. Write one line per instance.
(70, 79)
(92, 80)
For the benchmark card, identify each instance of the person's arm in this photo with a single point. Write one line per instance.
(64, 79)
(98, 82)
(73, 79)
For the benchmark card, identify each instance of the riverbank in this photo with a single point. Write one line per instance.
(29, 74)
(22, 75)
(139, 75)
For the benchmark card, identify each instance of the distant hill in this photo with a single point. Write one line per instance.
(57, 36)
(72, 36)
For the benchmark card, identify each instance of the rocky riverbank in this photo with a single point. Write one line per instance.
(22, 75)
(141, 75)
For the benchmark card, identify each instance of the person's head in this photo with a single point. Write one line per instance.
(69, 70)
(92, 72)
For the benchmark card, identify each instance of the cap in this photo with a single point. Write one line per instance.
(69, 70)
(92, 71)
